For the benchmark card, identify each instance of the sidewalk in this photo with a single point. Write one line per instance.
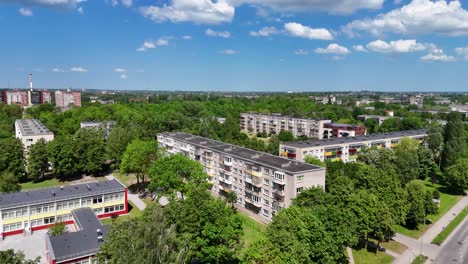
(132, 197)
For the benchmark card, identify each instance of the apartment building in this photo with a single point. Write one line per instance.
(379, 119)
(263, 183)
(67, 98)
(18, 97)
(275, 123)
(106, 126)
(334, 130)
(345, 149)
(29, 131)
(25, 212)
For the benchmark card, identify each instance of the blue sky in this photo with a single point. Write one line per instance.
(236, 45)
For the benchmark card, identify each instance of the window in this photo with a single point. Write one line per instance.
(86, 201)
(300, 178)
(267, 171)
(279, 176)
(8, 214)
(49, 220)
(37, 222)
(63, 218)
(12, 227)
(266, 181)
(266, 192)
(42, 209)
(276, 207)
(97, 199)
(113, 197)
(266, 202)
(110, 209)
(299, 190)
(266, 212)
(98, 211)
(256, 199)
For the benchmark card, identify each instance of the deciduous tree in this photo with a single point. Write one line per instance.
(38, 160)
(454, 140)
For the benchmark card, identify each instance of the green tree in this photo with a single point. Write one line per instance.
(454, 140)
(38, 160)
(11, 257)
(372, 126)
(231, 198)
(429, 206)
(407, 161)
(144, 240)
(11, 156)
(285, 136)
(176, 173)
(457, 176)
(139, 157)
(9, 182)
(426, 162)
(91, 149)
(415, 199)
(59, 228)
(117, 142)
(314, 161)
(365, 207)
(435, 141)
(64, 156)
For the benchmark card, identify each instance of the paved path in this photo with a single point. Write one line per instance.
(350, 255)
(132, 197)
(423, 244)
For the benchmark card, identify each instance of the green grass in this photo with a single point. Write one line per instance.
(253, 230)
(362, 256)
(133, 211)
(447, 201)
(394, 246)
(440, 238)
(419, 260)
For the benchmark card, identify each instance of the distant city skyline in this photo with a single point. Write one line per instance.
(235, 45)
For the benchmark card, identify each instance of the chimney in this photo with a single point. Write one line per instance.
(30, 81)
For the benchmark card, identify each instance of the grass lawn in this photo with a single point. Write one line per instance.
(447, 201)
(394, 246)
(419, 260)
(362, 256)
(133, 211)
(253, 230)
(440, 238)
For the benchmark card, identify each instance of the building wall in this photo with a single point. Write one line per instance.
(65, 99)
(273, 124)
(259, 188)
(27, 217)
(17, 97)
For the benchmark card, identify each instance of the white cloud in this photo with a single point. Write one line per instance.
(152, 44)
(25, 11)
(187, 37)
(265, 32)
(463, 51)
(438, 55)
(127, 3)
(57, 70)
(418, 17)
(196, 11)
(333, 49)
(298, 30)
(330, 6)
(228, 52)
(301, 52)
(359, 48)
(120, 70)
(123, 76)
(221, 34)
(398, 46)
(78, 69)
(80, 10)
(56, 4)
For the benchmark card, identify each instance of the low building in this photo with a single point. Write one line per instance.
(29, 131)
(328, 99)
(79, 246)
(275, 123)
(24, 212)
(345, 149)
(334, 130)
(379, 119)
(263, 183)
(106, 126)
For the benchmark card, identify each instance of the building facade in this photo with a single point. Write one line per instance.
(275, 123)
(106, 126)
(25, 212)
(29, 131)
(379, 119)
(17, 97)
(345, 149)
(263, 183)
(67, 98)
(334, 130)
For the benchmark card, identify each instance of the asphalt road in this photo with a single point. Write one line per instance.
(455, 250)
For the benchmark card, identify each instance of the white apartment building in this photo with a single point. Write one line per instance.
(29, 131)
(263, 183)
(345, 149)
(275, 123)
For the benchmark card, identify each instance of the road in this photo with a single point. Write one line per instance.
(452, 251)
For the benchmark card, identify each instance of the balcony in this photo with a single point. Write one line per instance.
(254, 182)
(254, 203)
(254, 173)
(228, 163)
(226, 181)
(185, 148)
(279, 193)
(280, 204)
(169, 143)
(279, 181)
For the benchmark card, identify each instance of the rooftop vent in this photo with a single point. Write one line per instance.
(53, 192)
(89, 187)
(61, 187)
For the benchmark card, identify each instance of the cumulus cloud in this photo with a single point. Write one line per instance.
(120, 70)
(228, 52)
(78, 69)
(463, 51)
(25, 11)
(359, 48)
(196, 11)
(301, 52)
(333, 49)
(152, 44)
(187, 37)
(123, 76)
(298, 30)
(418, 17)
(221, 34)
(438, 55)
(56, 4)
(80, 10)
(57, 70)
(126, 3)
(265, 32)
(398, 46)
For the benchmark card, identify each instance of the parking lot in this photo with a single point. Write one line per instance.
(32, 245)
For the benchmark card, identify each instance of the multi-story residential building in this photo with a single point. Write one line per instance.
(18, 97)
(29, 131)
(379, 119)
(67, 98)
(328, 99)
(263, 183)
(334, 130)
(36, 97)
(417, 100)
(106, 126)
(345, 149)
(24, 212)
(275, 123)
(3, 97)
(80, 246)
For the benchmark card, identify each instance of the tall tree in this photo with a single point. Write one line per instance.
(11, 156)
(457, 176)
(9, 182)
(139, 157)
(64, 157)
(38, 160)
(426, 162)
(91, 149)
(407, 162)
(435, 141)
(286, 136)
(117, 142)
(415, 199)
(454, 140)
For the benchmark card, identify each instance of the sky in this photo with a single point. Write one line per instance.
(235, 45)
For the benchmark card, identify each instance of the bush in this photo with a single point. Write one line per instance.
(436, 194)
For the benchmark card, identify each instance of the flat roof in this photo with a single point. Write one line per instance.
(357, 139)
(283, 116)
(343, 125)
(17, 199)
(83, 242)
(32, 127)
(244, 153)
